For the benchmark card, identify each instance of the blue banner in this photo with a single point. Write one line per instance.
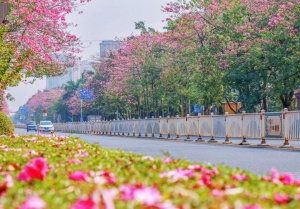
(86, 94)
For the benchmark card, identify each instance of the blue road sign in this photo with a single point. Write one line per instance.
(86, 94)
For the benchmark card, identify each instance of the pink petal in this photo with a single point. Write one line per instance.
(33, 202)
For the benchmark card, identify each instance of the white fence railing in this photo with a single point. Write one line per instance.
(284, 125)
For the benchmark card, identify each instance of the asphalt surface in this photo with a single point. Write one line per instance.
(257, 159)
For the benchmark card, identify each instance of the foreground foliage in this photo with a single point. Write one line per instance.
(60, 172)
(6, 125)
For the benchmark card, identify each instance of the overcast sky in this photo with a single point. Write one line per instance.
(101, 20)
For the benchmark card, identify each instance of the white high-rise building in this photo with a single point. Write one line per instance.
(73, 74)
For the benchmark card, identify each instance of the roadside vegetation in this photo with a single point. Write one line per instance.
(64, 172)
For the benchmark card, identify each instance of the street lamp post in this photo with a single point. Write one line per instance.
(81, 118)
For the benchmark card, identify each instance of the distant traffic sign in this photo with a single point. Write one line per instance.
(86, 94)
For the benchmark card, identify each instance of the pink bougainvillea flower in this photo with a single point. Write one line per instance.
(15, 135)
(79, 176)
(217, 193)
(297, 197)
(281, 199)
(266, 178)
(33, 202)
(33, 139)
(62, 137)
(239, 177)
(37, 168)
(195, 167)
(32, 152)
(9, 183)
(205, 179)
(146, 195)
(75, 161)
(178, 174)
(127, 192)
(108, 196)
(3, 146)
(84, 204)
(251, 207)
(167, 160)
(109, 176)
(287, 179)
(274, 176)
(84, 154)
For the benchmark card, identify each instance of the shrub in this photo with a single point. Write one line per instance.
(6, 125)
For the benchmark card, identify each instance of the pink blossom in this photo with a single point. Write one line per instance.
(84, 204)
(239, 177)
(251, 207)
(7, 184)
(31, 152)
(205, 180)
(167, 160)
(75, 161)
(79, 176)
(217, 193)
(33, 202)
(281, 199)
(84, 154)
(274, 176)
(33, 139)
(177, 174)
(287, 179)
(195, 167)
(37, 168)
(146, 195)
(62, 137)
(15, 135)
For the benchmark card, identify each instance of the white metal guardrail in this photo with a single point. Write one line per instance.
(284, 125)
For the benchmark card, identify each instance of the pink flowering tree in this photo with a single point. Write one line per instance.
(44, 100)
(36, 39)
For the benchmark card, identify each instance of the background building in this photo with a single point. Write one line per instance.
(72, 74)
(4, 9)
(108, 46)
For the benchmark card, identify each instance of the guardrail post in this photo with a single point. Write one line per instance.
(263, 128)
(199, 139)
(177, 129)
(169, 135)
(140, 135)
(160, 128)
(188, 135)
(286, 143)
(244, 142)
(152, 127)
(227, 141)
(212, 139)
(146, 128)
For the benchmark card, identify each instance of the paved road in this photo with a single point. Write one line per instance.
(255, 159)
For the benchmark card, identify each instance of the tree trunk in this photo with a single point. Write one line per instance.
(265, 105)
(286, 100)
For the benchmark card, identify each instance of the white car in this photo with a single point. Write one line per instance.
(46, 126)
